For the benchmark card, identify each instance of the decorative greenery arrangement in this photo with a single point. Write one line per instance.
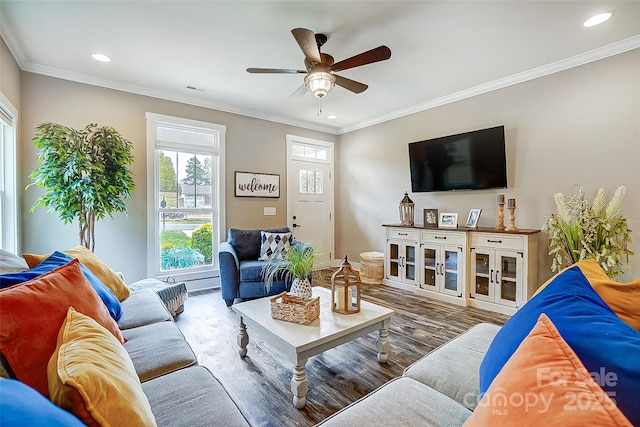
(581, 230)
(84, 174)
(295, 262)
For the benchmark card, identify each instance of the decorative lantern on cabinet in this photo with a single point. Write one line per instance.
(345, 289)
(406, 210)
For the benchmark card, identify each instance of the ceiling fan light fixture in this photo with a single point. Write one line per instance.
(320, 83)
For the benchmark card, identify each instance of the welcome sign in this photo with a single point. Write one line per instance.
(249, 184)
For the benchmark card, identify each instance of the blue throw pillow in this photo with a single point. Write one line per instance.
(23, 406)
(607, 346)
(58, 259)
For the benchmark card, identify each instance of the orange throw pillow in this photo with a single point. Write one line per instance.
(544, 383)
(31, 316)
(98, 267)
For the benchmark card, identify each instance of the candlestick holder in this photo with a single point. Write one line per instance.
(500, 225)
(512, 219)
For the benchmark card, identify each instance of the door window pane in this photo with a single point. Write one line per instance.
(310, 182)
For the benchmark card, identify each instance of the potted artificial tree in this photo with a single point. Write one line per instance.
(293, 263)
(84, 174)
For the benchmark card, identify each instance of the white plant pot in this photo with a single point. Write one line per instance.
(301, 288)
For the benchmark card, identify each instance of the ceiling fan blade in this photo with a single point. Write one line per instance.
(307, 41)
(274, 71)
(380, 53)
(299, 92)
(352, 85)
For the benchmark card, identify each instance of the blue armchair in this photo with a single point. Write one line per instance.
(240, 268)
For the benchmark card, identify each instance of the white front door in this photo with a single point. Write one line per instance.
(310, 194)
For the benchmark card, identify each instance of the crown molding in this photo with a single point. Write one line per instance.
(554, 67)
(171, 96)
(545, 70)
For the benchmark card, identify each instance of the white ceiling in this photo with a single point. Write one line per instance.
(441, 50)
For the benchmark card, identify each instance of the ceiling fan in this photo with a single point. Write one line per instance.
(320, 67)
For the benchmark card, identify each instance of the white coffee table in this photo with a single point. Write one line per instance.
(299, 342)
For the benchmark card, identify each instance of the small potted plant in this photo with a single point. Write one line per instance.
(294, 263)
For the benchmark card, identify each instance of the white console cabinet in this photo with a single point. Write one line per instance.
(484, 268)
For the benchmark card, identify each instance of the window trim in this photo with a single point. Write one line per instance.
(152, 221)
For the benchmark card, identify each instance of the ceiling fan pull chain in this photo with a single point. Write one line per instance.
(319, 106)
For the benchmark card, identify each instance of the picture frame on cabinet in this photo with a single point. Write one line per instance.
(448, 220)
(430, 218)
(472, 219)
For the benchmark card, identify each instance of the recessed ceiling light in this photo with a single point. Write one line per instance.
(332, 117)
(597, 19)
(100, 57)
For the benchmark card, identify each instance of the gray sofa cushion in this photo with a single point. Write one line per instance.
(157, 349)
(452, 368)
(401, 402)
(247, 242)
(175, 401)
(141, 308)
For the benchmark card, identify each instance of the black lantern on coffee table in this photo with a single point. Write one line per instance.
(345, 289)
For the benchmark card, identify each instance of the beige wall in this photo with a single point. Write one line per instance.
(580, 126)
(9, 76)
(251, 145)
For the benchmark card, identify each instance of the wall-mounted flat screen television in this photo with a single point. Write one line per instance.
(468, 161)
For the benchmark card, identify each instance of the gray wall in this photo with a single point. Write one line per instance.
(580, 126)
(251, 145)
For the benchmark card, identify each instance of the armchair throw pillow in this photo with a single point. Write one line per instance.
(273, 243)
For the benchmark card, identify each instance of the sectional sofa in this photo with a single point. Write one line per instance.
(61, 342)
(569, 357)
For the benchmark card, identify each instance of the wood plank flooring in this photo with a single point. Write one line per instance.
(260, 383)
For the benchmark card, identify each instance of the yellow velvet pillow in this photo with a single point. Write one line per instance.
(98, 267)
(91, 375)
(622, 298)
(544, 383)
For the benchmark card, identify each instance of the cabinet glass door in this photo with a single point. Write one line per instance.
(429, 263)
(450, 267)
(393, 269)
(482, 275)
(508, 273)
(410, 263)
